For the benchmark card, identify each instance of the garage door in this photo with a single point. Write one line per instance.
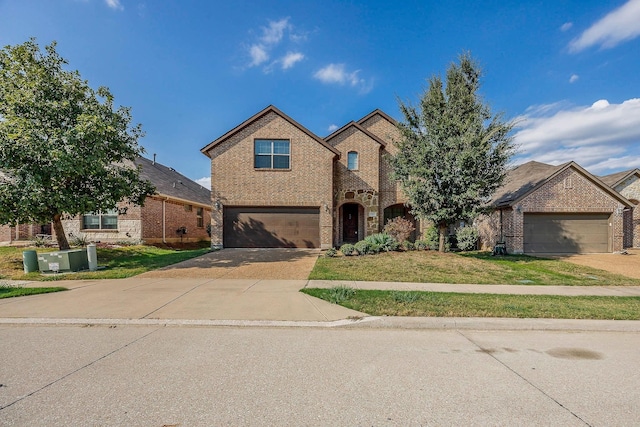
(566, 233)
(266, 227)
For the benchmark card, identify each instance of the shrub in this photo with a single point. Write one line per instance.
(79, 240)
(408, 246)
(421, 245)
(331, 252)
(467, 238)
(40, 242)
(338, 294)
(382, 242)
(399, 228)
(347, 249)
(364, 248)
(432, 238)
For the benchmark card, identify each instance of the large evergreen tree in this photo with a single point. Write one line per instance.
(453, 151)
(64, 149)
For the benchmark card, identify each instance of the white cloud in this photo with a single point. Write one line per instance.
(258, 55)
(273, 33)
(332, 127)
(114, 4)
(620, 25)
(600, 137)
(574, 78)
(290, 59)
(566, 26)
(272, 42)
(205, 182)
(338, 74)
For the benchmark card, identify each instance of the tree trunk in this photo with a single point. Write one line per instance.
(442, 228)
(63, 244)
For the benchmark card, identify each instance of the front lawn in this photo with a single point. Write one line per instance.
(7, 291)
(471, 268)
(446, 304)
(119, 262)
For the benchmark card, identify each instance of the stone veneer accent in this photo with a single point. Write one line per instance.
(368, 200)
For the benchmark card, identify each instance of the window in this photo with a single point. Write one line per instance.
(101, 221)
(188, 208)
(352, 160)
(199, 216)
(271, 154)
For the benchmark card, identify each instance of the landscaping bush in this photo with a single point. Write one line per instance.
(382, 242)
(347, 249)
(79, 240)
(364, 248)
(467, 237)
(421, 245)
(399, 228)
(432, 237)
(331, 252)
(408, 246)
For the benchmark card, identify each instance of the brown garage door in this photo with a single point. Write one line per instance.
(267, 227)
(566, 233)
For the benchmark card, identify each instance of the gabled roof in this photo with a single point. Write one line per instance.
(171, 183)
(358, 127)
(530, 176)
(615, 179)
(381, 113)
(248, 122)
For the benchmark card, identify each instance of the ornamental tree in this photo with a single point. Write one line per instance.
(64, 148)
(453, 152)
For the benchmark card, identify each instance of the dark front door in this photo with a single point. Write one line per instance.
(350, 223)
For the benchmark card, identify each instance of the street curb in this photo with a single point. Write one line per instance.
(368, 322)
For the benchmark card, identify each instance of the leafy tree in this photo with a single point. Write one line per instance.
(453, 151)
(64, 149)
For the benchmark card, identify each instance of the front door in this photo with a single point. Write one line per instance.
(350, 223)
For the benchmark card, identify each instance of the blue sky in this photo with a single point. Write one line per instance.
(567, 71)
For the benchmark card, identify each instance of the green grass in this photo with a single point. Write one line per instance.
(444, 304)
(120, 262)
(473, 268)
(7, 291)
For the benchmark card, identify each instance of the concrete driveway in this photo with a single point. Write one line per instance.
(627, 265)
(267, 264)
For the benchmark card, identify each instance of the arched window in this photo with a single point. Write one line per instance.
(352, 160)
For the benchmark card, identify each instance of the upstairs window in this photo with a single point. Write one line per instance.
(352, 161)
(101, 221)
(272, 154)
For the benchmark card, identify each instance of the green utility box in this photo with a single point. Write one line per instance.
(63, 261)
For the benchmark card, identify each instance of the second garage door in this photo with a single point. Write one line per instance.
(269, 227)
(566, 233)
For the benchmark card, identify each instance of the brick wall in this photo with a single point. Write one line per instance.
(235, 182)
(569, 192)
(630, 189)
(176, 215)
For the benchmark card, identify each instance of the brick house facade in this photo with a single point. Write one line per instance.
(180, 211)
(555, 209)
(627, 183)
(340, 184)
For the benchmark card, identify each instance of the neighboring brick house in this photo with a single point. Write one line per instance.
(179, 211)
(627, 183)
(276, 184)
(555, 209)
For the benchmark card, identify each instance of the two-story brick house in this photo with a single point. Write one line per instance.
(276, 184)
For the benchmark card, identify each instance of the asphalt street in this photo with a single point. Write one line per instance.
(203, 376)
